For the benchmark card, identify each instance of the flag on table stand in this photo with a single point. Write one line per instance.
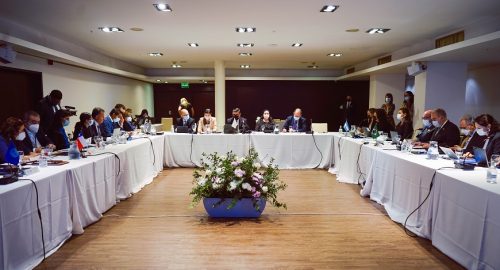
(81, 142)
(346, 126)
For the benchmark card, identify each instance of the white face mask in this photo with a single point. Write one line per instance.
(436, 123)
(426, 123)
(185, 117)
(296, 118)
(464, 132)
(399, 116)
(116, 120)
(21, 136)
(91, 122)
(129, 119)
(388, 100)
(481, 132)
(34, 128)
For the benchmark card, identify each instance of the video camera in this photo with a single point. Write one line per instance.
(72, 110)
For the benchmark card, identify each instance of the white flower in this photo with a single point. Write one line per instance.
(240, 159)
(201, 181)
(233, 185)
(264, 189)
(215, 186)
(217, 180)
(218, 170)
(257, 165)
(223, 157)
(239, 172)
(247, 186)
(208, 172)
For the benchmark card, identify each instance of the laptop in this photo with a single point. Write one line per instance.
(480, 155)
(447, 151)
(394, 136)
(182, 129)
(229, 129)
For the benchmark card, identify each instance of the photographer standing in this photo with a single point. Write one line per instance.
(47, 108)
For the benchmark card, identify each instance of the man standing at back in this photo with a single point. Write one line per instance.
(47, 108)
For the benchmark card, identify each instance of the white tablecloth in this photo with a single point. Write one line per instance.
(294, 151)
(466, 218)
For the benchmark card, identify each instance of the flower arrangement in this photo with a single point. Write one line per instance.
(236, 178)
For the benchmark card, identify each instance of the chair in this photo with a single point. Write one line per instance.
(167, 123)
(320, 127)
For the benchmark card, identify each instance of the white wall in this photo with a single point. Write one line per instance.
(482, 93)
(86, 89)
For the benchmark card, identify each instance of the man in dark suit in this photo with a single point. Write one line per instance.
(446, 133)
(470, 138)
(36, 138)
(296, 122)
(348, 110)
(186, 121)
(238, 122)
(96, 128)
(47, 108)
(426, 131)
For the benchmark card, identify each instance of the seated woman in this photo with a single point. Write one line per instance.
(369, 122)
(265, 122)
(82, 127)
(207, 123)
(405, 125)
(381, 123)
(486, 125)
(11, 132)
(141, 119)
(56, 131)
(128, 123)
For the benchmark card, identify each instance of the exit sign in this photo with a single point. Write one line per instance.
(184, 84)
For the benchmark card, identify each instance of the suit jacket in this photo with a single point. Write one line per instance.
(242, 125)
(267, 126)
(303, 126)
(128, 126)
(27, 146)
(58, 135)
(493, 147)
(96, 130)
(405, 129)
(426, 134)
(190, 123)
(85, 131)
(448, 135)
(109, 126)
(474, 140)
(46, 111)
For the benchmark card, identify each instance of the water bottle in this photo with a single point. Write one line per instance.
(375, 133)
(491, 174)
(341, 129)
(433, 151)
(276, 129)
(73, 152)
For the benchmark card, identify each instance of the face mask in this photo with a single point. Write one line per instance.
(129, 119)
(66, 122)
(464, 132)
(21, 136)
(236, 117)
(426, 123)
(407, 98)
(116, 120)
(481, 132)
(296, 118)
(388, 100)
(185, 117)
(436, 123)
(91, 122)
(34, 128)
(399, 116)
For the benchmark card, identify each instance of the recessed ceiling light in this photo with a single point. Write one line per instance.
(193, 44)
(166, 82)
(162, 7)
(329, 8)
(313, 66)
(155, 54)
(158, 80)
(245, 54)
(110, 29)
(245, 45)
(245, 66)
(297, 45)
(246, 29)
(176, 66)
(335, 54)
(377, 30)
(136, 29)
(352, 30)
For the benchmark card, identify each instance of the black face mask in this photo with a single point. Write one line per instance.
(236, 116)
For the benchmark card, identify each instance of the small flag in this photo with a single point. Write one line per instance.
(347, 127)
(81, 142)
(12, 156)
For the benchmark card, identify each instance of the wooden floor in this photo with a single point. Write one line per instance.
(327, 225)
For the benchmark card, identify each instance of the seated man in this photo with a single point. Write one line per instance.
(36, 138)
(426, 131)
(186, 121)
(238, 122)
(96, 127)
(446, 133)
(470, 138)
(111, 122)
(296, 123)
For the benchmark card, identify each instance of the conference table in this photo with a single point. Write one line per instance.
(461, 215)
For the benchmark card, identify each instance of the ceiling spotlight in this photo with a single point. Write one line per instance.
(377, 30)
(334, 54)
(245, 54)
(245, 29)
(108, 29)
(176, 66)
(158, 80)
(245, 66)
(155, 54)
(245, 45)
(162, 7)
(297, 44)
(193, 44)
(329, 8)
(166, 82)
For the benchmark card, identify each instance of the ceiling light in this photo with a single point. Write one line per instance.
(245, 54)
(245, 66)
(377, 30)
(352, 30)
(245, 45)
(245, 29)
(329, 8)
(335, 54)
(166, 82)
(136, 29)
(109, 29)
(162, 7)
(313, 66)
(155, 54)
(176, 66)
(193, 44)
(158, 80)
(297, 44)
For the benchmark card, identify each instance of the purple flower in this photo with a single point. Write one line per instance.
(255, 179)
(234, 163)
(256, 194)
(239, 172)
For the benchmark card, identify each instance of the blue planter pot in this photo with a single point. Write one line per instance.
(243, 209)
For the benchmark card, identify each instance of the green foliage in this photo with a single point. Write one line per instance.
(236, 177)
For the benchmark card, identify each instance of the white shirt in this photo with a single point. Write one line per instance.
(236, 123)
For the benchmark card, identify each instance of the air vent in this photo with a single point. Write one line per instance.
(384, 60)
(450, 39)
(350, 70)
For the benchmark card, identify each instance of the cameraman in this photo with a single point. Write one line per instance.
(47, 108)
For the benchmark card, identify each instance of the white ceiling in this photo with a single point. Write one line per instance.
(212, 23)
